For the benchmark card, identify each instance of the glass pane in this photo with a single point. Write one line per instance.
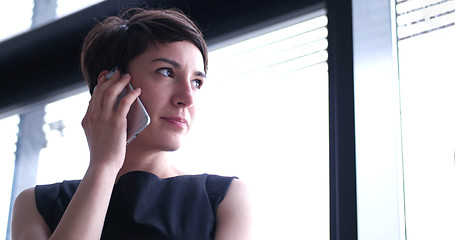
(13, 21)
(9, 129)
(263, 116)
(65, 7)
(16, 16)
(66, 155)
(426, 50)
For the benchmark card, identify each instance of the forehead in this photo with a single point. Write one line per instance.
(184, 52)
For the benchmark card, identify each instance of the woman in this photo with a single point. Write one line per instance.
(131, 191)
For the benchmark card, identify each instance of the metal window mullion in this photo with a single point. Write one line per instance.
(343, 205)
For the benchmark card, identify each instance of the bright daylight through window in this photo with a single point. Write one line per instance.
(265, 101)
(426, 50)
(263, 117)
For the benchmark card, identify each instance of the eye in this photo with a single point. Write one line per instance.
(167, 72)
(197, 83)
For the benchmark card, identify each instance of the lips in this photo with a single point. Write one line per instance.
(176, 121)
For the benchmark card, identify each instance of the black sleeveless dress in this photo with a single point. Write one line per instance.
(143, 206)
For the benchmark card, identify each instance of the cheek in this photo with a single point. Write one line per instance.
(192, 111)
(153, 100)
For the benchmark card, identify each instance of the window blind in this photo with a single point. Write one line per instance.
(417, 17)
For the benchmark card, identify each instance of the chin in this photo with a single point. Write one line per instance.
(170, 146)
(169, 143)
(170, 149)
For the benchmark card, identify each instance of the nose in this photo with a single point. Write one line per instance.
(184, 94)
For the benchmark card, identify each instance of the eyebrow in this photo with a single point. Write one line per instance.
(177, 65)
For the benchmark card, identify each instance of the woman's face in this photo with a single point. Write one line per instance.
(170, 77)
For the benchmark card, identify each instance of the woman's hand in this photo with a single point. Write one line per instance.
(104, 126)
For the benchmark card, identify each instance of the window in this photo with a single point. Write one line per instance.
(426, 33)
(9, 129)
(404, 118)
(263, 116)
(66, 156)
(23, 16)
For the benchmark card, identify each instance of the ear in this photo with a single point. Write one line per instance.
(102, 76)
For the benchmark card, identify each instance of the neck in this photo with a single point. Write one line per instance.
(148, 161)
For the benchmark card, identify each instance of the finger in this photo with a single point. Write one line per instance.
(104, 82)
(126, 102)
(111, 95)
(90, 106)
(87, 113)
(99, 91)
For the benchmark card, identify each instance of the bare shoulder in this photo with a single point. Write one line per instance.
(238, 195)
(27, 222)
(234, 214)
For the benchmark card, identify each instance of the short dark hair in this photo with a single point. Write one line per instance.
(117, 40)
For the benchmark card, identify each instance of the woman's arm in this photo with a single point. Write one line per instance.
(27, 223)
(234, 214)
(105, 129)
(85, 214)
(83, 219)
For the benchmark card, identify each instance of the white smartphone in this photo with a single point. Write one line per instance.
(137, 117)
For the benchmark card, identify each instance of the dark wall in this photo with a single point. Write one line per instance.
(41, 62)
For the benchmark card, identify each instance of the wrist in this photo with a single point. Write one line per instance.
(110, 162)
(102, 170)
